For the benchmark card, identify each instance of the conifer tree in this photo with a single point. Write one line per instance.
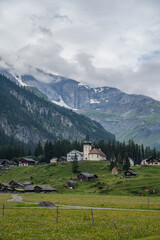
(75, 164)
(126, 162)
(38, 150)
(119, 160)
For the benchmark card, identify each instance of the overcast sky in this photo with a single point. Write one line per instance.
(99, 42)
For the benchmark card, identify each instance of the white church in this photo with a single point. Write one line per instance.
(88, 154)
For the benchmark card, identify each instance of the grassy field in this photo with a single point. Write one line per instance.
(56, 175)
(23, 220)
(77, 224)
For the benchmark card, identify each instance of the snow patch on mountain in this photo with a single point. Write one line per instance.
(61, 103)
(94, 101)
(19, 79)
(98, 90)
(84, 85)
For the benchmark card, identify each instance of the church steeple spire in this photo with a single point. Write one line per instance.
(87, 136)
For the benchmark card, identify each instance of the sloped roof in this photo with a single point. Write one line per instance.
(42, 187)
(8, 161)
(28, 159)
(46, 187)
(27, 183)
(4, 184)
(76, 151)
(16, 182)
(29, 188)
(97, 151)
(88, 174)
(132, 172)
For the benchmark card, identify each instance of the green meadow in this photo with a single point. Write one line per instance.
(56, 175)
(77, 224)
(24, 220)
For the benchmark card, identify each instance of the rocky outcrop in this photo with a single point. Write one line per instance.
(128, 116)
(30, 119)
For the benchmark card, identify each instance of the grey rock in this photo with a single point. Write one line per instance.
(46, 204)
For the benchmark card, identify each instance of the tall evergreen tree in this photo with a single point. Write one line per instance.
(48, 151)
(119, 160)
(126, 162)
(38, 150)
(75, 165)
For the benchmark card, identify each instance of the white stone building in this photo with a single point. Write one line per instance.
(71, 156)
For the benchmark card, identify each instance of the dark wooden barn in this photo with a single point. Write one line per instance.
(86, 177)
(129, 174)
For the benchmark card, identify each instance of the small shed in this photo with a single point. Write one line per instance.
(129, 174)
(54, 160)
(71, 184)
(116, 170)
(86, 177)
(16, 184)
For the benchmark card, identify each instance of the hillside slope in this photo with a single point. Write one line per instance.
(56, 175)
(128, 116)
(29, 118)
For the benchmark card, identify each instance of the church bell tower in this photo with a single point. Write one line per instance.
(87, 146)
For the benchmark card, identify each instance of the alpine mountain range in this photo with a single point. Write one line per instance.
(127, 116)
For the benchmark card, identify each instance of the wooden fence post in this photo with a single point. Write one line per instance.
(57, 215)
(3, 210)
(92, 215)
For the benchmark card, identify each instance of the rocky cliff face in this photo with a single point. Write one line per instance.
(128, 116)
(29, 118)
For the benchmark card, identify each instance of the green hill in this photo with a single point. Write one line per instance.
(56, 175)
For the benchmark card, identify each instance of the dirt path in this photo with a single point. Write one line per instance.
(99, 208)
(15, 198)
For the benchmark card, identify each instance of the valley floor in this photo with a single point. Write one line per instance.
(23, 220)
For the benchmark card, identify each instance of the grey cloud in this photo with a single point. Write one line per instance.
(45, 30)
(114, 43)
(64, 18)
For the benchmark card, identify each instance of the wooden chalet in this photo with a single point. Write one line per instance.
(16, 184)
(150, 162)
(86, 177)
(116, 170)
(129, 174)
(39, 188)
(7, 164)
(26, 162)
(5, 187)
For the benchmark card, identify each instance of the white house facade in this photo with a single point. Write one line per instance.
(96, 155)
(71, 156)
